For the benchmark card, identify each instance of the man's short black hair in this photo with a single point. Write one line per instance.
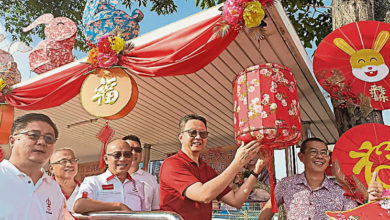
(304, 143)
(132, 138)
(185, 119)
(22, 121)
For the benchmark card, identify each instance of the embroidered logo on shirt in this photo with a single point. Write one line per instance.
(48, 207)
(108, 187)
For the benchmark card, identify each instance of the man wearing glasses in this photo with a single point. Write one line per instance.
(309, 194)
(115, 189)
(152, 193)
(188, 185)
(26, 192)
(63, 166)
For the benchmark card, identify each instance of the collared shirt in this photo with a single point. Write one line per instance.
(303, 203)
(107, 187)
(69, 200)
(21, 199)
(177, 173)
(151, 187)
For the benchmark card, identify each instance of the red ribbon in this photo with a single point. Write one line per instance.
(270, 170)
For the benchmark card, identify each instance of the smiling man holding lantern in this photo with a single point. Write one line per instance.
(188, 185)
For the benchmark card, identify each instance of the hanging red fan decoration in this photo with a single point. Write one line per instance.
(362, 150)
(266, 109)
(104, 136)
(352, 64)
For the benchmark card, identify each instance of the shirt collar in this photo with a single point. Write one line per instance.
(109, 176)
(140, 171)
(77, 182)
(187, 159)
(301, 179)
(15, 171)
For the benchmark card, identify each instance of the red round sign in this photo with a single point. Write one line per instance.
(357, 54)
(364, 149)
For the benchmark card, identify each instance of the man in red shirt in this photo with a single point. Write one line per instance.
(188, 185)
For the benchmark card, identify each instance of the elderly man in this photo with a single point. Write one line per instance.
(26, 191)
(115, 189)
(188, 185)
(64, 167)
(152, 193)
(309, 194)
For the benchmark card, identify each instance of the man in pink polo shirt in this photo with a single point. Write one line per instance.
(188, 185)
(113, 190)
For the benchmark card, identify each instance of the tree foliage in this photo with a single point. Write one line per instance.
(16, 14)
(311, 21)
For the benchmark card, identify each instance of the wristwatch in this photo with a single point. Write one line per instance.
(255, 174)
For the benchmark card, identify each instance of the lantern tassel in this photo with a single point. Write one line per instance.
(105, 135)
(101, 162)
(271, 174)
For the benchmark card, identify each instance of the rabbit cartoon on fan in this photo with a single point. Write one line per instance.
(101, 17)
(8, 68)
(367, 64)
(56, 50)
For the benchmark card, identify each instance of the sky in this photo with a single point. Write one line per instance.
(150, 22)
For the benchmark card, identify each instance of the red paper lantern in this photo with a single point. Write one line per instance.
(266, 106)
(266, 109)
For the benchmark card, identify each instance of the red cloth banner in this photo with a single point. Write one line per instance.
(182, 52)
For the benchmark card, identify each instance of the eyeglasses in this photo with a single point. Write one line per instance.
(136, 149)
(118, 154)
(64, 161)
(35, 135)
(314, 152)
(194, 133)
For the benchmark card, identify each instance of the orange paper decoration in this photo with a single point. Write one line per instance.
(109, 93)
(6, 120)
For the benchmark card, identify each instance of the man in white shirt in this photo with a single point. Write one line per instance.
(63, 166)
(115, 189)
(152, 192)
(26, 192)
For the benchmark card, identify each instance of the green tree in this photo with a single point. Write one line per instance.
(17, 14)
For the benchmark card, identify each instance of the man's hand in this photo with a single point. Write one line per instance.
(261, 162)
(375, 189)
(246, 153)
(123, 207)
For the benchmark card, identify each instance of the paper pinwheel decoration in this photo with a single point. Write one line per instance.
(356, 57)
(101, 17)
(56, 50)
